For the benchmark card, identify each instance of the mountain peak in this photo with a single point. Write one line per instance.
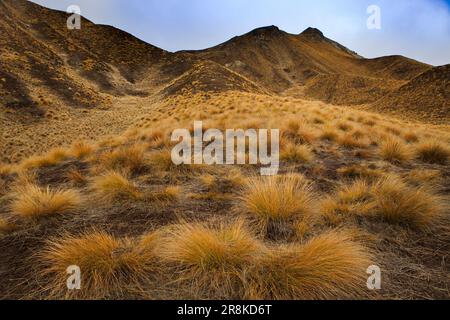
(313, 33)
(266, 31)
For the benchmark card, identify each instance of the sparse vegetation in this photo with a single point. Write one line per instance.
(91, 153)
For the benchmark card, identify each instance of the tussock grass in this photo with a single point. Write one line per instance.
(360, 172)
(394, 150)
(114, 185)
(349, 141)
(276, 202)
(397, 202)
(329, 134)
(52, 158)
(433, 151)
(130, 158)
(349, 201)
(5, 226)
(212, 260)
(82, 150)
(329, 266)
(296, 153)
(298, 132)
(411, 137)
(32, 201)
(110, 267)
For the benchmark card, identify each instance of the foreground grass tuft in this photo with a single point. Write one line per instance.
(114, 185)
(212, 259)
(433, 152)
(32, 201)
(329, 266)
(110, 267)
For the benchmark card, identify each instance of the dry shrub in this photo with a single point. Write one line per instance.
(114, 185)
(210, 263)
(110, 267)
(32, 201)
(330, 266)
(433, 151)
(394, 150)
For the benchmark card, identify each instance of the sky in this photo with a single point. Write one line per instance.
(419, 29)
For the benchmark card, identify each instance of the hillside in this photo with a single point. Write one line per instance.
(425, 97)
(87, 176)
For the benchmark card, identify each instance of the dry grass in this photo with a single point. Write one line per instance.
(110, 267)
(130, 159)
(296, 153)
(113, 185)
(52, 158)
(5, 226)
(360, 172)
(329, 134)
(396, 202)
(82, 150)
(349, 141)
(329, 266)
(32, 201)
(433, 151)
(394, 150)
(349, 201)
(211, 260)
(277, 201)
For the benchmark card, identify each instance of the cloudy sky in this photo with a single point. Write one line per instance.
(419, 29)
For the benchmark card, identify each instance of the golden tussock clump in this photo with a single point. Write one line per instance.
(32, 201)
(275, 199)
(433, 151)
(397, 202)
(52, 158)
(394, 150)
(348, 202)
(329, 266)
(114, 185)
(214, 260)
(81, 150)
(296, 153)
(349, 141)
(411, 137)
(329, 134)
(298, 132)
(130, 158)
(110, 267)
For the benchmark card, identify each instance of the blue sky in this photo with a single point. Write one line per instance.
(419, 29)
